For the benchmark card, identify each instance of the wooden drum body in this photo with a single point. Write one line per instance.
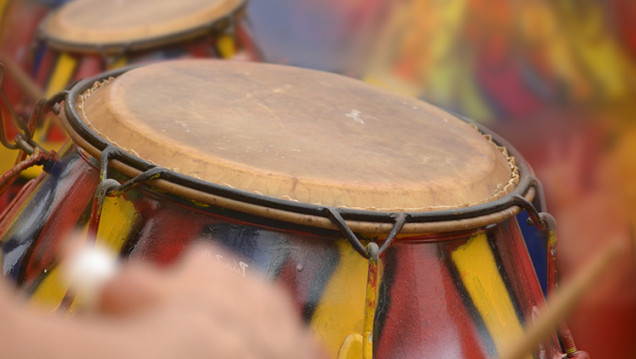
(391, 223)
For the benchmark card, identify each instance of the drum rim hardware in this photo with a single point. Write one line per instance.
(527, 195)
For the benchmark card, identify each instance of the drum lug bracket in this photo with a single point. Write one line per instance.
(535, 216)
(150, 175)
(547, 224)
(98, 202)
(399, 219)
(551, 248)
(109, 153)
(360, 345)
(105, 187)
(374, 277)
(111, 187)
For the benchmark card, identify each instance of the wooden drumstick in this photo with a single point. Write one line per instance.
(563, 301)
(30, 88)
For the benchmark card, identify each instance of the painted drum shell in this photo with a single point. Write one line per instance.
(459, 295)
(461, 290)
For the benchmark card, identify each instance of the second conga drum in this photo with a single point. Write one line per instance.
(83, 38)
(390, 222)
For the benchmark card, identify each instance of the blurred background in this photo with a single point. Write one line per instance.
(556, 78)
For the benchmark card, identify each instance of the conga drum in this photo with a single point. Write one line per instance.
(83, 38)
(390, 222)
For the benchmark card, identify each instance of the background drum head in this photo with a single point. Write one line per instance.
(85, 25)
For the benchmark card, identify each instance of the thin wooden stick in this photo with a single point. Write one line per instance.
(563, 301)
(27, 85)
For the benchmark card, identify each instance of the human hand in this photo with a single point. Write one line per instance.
(196, 309)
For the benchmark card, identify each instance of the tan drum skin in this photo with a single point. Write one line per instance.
(335, 141)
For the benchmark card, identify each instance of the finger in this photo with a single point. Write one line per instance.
(135, 288)
(138, 285)
(8, 295)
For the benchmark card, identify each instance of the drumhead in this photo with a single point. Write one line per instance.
(298, 135)
(102, 24)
